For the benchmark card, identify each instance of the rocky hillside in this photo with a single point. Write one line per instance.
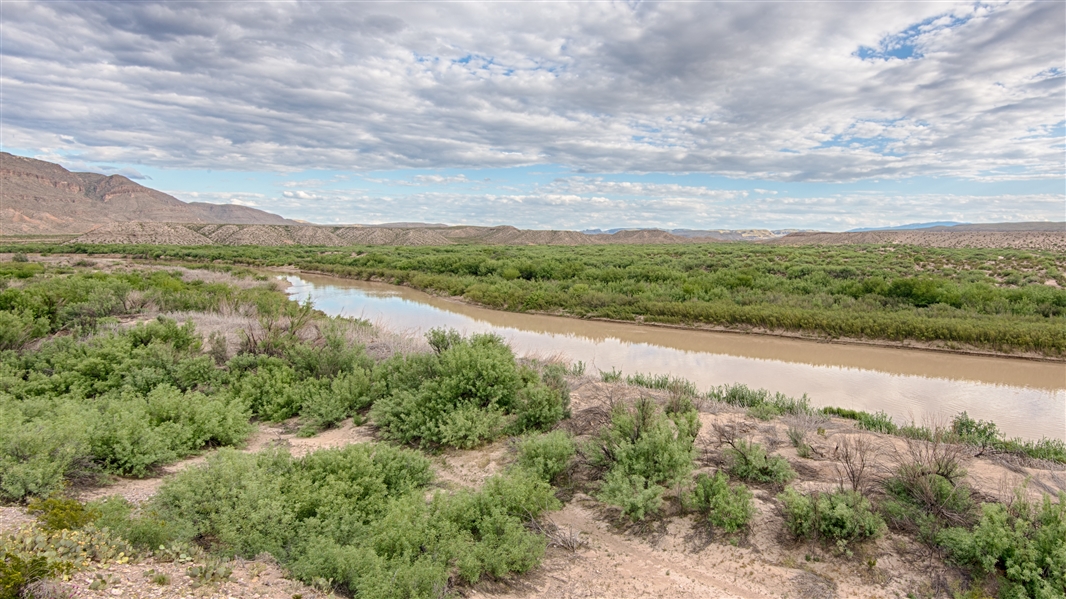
(199, 234)
(41, 198)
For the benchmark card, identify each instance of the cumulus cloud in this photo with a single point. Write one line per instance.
(548, 209)
(781, 91)
(253, 200)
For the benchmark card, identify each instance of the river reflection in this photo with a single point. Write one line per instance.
(1025, 398)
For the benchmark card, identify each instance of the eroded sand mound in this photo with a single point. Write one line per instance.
(390, 236)
(314, 236)
(647, 236)
(1030, 240)
(148, 233)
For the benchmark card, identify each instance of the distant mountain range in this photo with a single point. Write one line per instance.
(42, 198)
(941, 223)
(1048, 226)
(717, 234)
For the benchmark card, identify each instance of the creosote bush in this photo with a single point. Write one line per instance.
(548, 455)
(1023, 545)
(359, 517)
(643, 450)
(469, 391)
(725, 506)
(840, 517)
(749, 461)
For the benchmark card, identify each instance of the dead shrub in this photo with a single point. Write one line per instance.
(856, 456)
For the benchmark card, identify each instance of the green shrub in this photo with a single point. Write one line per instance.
(142, 527)
(358, 516)
(636, 495)
(840, 517)
(469, 393)
(61, 513)
(800, 517)
(846, 516)
(726, 506)
(1023, 545)
(547, 455)
(17, 572)
(643, 450)
(748, 461)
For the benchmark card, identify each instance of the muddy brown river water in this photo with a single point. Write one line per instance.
(1025, 398)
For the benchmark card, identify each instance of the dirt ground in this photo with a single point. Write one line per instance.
(676, 556)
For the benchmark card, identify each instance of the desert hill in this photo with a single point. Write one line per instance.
(38, 197)
(1034, 236)
(268, 234)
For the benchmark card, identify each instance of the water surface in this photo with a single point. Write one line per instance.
(1025, 398)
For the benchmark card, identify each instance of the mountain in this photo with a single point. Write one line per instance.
(943, 223)
(713, 234)
(38, 197)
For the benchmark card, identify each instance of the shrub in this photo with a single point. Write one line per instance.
(636, 495)
(726, 506)
(547, 455)
(142, 527)
(840, 517)
(799, 511)
(1022, 544)
(358, 516)
(749, 461)
(644, 449)
(846, 516)
(760, 403)
(926, 491)
(61, 513)
(467, 394)
(18, 572)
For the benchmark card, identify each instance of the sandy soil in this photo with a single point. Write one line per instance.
(673, 557)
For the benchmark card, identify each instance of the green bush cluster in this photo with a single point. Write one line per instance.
(985, 297)
(548, 455)
(643, 451)
(1023, 545)
(840, 517)
(129, 400)
(122, 402)
(879, 422)
(468, 391)
(48, 300)
(725, 506)
(358, 517)
(749, 461)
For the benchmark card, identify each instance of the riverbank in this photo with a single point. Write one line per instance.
(909, 344)
(992, 301)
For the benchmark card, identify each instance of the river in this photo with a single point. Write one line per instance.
(1024, 398)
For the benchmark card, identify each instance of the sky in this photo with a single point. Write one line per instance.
(789, 114)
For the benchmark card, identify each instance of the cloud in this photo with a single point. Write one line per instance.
(777, 91)
(253, 200)
(440, 179)
(558, 209)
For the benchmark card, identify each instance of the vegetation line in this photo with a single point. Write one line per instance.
(997, 300)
